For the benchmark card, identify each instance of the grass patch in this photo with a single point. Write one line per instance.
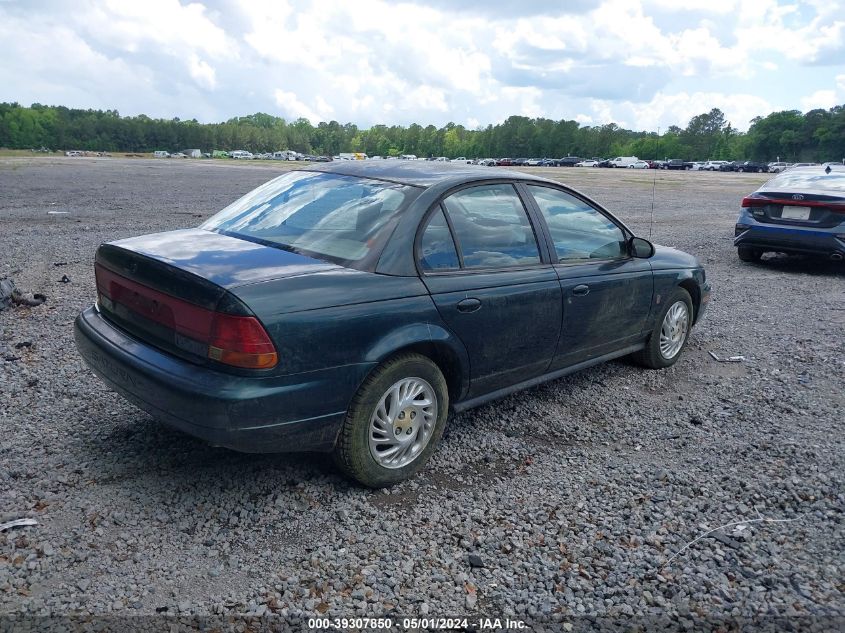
(25, 153)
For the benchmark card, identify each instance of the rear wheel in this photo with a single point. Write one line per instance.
(670, 333)
(394, 422)
(749, 253)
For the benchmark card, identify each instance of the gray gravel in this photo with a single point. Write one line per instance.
(564, 503)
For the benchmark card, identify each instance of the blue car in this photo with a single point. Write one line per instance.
(799, 211)
(351, 307)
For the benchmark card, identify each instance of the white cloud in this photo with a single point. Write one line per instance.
(641, 63)
(667, 109)
(826, 98)
(294, 108)
(819, 99)
(202, 72)
(167, 24)
(427, 98)
(767, 25)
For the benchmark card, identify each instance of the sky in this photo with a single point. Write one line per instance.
(643, 64)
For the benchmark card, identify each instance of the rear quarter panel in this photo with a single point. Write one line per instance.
(346, 317)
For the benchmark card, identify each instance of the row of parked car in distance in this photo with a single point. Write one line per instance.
(760, 168)
(240, 154)
(632, 162)
(628, 162)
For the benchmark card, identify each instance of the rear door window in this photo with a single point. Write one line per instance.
(491, 227)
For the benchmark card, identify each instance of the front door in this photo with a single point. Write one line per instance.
(606, 293)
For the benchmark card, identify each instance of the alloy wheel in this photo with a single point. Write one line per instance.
(673, 331)
(402, 423)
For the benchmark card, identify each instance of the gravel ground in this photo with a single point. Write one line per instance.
(567, 503)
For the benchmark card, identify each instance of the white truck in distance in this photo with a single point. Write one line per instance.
(623, 161)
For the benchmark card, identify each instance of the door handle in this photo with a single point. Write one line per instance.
(581, 290)
(469, 305)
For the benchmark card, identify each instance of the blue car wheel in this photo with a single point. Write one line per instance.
(749, 253)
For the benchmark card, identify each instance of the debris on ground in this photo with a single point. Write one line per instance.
(475, 561)
(729, 359)
(7, 287)
(64, 280)
(9, 295)
(8, 525)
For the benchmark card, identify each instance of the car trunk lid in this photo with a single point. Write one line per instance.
(792, 209)
(173, 290)
(223, 260)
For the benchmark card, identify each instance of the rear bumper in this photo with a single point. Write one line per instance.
(262, 414)
(789, 239)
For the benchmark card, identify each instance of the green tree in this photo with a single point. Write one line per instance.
(816, 135)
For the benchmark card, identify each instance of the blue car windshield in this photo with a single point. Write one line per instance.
(340, 218)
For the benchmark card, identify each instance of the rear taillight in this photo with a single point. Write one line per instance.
(748, 201)
(834, 205)
(241, 341)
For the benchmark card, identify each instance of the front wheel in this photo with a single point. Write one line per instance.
(670, 333)
(394, 421)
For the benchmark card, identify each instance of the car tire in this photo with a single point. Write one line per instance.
(358, 452)
(749, 253)
(670, 334)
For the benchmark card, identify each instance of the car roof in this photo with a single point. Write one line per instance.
(418, 173)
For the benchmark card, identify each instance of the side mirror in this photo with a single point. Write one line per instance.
(640, 248)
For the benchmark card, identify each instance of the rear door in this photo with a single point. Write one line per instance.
(606, 293)
(492, 284)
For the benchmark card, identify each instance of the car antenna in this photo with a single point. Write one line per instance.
(653, 184)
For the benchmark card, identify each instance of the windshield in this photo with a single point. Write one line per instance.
(341, 218)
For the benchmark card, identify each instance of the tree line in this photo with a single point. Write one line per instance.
(817, 135)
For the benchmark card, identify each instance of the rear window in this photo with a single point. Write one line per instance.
(340, 218)
(815, 179)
